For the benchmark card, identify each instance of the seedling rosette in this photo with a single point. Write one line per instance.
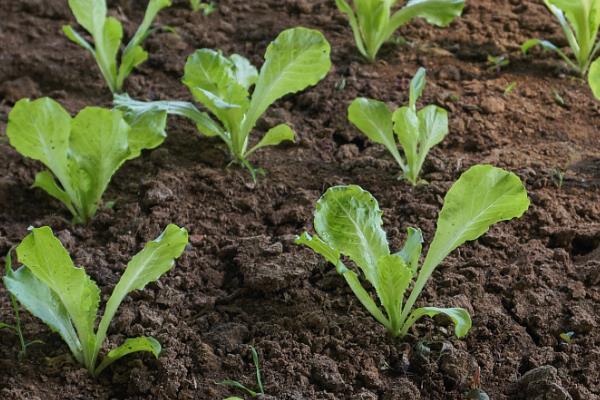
(417, 131)
(50, 287)
(296, 59)
(348, 223)
(81, 153)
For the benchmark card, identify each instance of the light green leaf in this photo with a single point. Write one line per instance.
(411, 251)
(147, 132)
(374, 119)
(322, 248)
(40, 301)
(417, 84)
(40, 129)
(135, 108)
(99, 144)
(594, 78)
(130, 60)
(76, 38)
(333, 256)
(433, 127)
(45, 181)
(109, 46)
(154, 7)
(211, 77)
(348, 219)
(406, 127)
(245, 73)
(46, 258)
(274, 136)
(459, 316)
(481, 197)
(356, 30)
(296, 59)
(157, 257)
(134, 345)
(91, 14)
(546, 45)
(394, 276)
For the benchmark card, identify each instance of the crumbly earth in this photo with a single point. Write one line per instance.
(243, 282)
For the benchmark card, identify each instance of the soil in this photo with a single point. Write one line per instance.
(243, 282)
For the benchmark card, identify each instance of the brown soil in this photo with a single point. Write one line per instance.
(243, 281)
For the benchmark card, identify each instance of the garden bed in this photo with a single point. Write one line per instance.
(243, 282)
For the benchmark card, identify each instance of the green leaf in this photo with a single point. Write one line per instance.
(418, 133)
(406, 127)
(394, 276)
(245, 73)
(481, 197)
(594, 78)
(411, 251)
(348, 219)
(135, 108)
(130, 60)
(333, 256)
(274, 136)
(76, 38)
(212, 79)
(147, 132)
(417, 84)
(157, 257)
(460, 317)
(154, 7)
(99, 145)
(39, 130)
(109, 46)
(356, 30)
(322, 248)
(374, 119)
(296, 59)
(40, 301)
(45, 181)
(45, 257)
(545, 44)
(148, 344)
(91, 14)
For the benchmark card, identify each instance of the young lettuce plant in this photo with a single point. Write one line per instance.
(66, 299)
(579, 20)
(83, 152)
(348, 222)
(417, 131)
(107, 33)
(296, 59)
(373, 22)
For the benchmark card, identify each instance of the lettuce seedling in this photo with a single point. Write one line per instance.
(373, 22)
(579, 20)
(296, 59)
(107, 33)
(66, 299)
(417, 131)
(348, 223)
(594, 78)
(83, 152)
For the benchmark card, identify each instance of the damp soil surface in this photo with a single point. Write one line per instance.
(243, 282)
